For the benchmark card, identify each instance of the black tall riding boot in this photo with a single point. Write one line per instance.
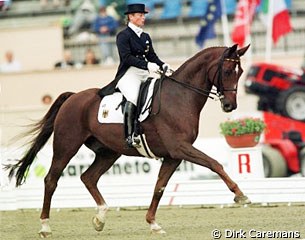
(129, 117)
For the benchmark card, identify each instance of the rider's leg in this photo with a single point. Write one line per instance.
(129, 118)
(129, 86)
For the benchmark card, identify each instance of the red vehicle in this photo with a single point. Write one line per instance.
(284, 146)
(280, 89)
(281, 93)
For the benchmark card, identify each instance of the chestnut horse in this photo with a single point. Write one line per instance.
(169, 134)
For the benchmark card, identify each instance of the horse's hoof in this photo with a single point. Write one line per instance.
(44, 234)
(97, 224)
(45, 230)
(157, 231)
(242, 200)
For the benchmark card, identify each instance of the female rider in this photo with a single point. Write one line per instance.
(137, 60)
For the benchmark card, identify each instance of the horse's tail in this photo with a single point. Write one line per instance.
(41, 132)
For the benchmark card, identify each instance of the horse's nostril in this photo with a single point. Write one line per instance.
(227, 106)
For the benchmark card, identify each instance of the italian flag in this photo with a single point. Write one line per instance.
(280, 15)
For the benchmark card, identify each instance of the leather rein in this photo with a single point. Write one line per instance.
(219, 94)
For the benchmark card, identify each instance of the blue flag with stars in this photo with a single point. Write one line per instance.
(207, 22)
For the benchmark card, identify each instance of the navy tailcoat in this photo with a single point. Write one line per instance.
(133, 51)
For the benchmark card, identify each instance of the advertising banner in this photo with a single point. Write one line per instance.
(125, 169)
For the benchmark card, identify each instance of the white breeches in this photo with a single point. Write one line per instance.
(129, 84)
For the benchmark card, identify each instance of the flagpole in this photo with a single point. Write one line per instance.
(269, 31)
(248, 34)
(225, 24)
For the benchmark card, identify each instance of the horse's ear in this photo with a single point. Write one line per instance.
(232, 49)
(242, 51)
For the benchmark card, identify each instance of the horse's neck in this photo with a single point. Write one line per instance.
(195, 76)
(194, 71)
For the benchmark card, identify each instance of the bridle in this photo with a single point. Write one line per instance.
(219, 93)
(219, 86)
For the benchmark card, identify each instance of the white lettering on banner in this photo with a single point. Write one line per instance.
(128, 168)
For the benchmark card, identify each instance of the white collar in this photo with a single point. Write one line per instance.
(135, 28)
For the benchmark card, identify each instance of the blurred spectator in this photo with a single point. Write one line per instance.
(66, 62)
(46, 99)
(86, 12)
(5, 5)
(65, 23)
(119, 6)
(10, 65)
(105, 26)
(90, 58)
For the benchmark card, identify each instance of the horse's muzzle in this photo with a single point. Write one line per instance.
(227, 106)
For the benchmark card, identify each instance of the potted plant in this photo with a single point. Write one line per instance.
(242, 132)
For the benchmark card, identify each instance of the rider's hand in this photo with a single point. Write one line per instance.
(153, 67)
(166, 66)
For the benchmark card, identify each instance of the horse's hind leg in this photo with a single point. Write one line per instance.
(167, 169)
(104, 159)
(63, 152)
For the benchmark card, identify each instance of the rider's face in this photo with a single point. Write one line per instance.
(137, 19)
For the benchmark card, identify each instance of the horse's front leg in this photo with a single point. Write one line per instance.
(167, 169)
(187, 152)
(102, 162)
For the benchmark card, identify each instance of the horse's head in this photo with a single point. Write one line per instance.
(226, 74)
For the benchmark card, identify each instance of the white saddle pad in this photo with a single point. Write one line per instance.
(110, 110)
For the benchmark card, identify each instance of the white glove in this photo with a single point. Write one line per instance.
(166, 65)
(153, 67)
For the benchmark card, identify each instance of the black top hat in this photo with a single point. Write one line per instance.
(135, 8)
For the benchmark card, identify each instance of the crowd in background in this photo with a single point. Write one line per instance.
(88, 15)
(5, 5)
(99, 17)
(68, 62)
(94, 17)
